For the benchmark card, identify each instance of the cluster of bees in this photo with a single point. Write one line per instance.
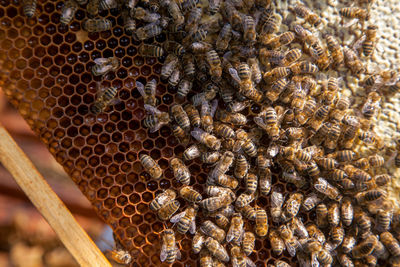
(225, 58)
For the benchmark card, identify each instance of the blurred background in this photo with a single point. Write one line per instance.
(25, 237)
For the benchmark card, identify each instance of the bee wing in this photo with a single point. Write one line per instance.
(151, 109)
(176, 218)
(350, 23)
(163, 253)
(205, 108)
(229, 235)
(140, 88)
(249, 262)
(290, 248)
(153, 88)
(178, 253)
(357, 44)
(234, 74)
(114, 101)
(214, 106)
(192, 227)
(276, 199)
(101, 61)
(197, 133)
(260, 122)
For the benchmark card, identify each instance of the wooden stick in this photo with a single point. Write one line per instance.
(75, 239)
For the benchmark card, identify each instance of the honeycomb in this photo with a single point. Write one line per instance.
(46, 75)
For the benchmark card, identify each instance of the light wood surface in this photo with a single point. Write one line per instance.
(74, 238)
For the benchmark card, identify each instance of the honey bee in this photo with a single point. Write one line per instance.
(322, 186)
(148, 31)
(105, 65)
(255, 70)
(97, 25)
(214, 6)
(292, 206)
(315, 233)
(29, 7)
(371, 105)
(225, 181)
(299, 228)
(355, 13)
(280, 263)
(280, 40)
(186, 220)
(147, 50)
(276, 74)
(266, 56)
(348, 243)
(327, 163)
(224, 37)
(391, 243)
(269, 123)
(241, 167)
(107, 4)
(105, 97)
(248, 243)
(193, 18)
(239, 258)
(303, 67)
(188, 66)
(236, 119)
(236, 230)
(197, 242)
(205, 259)
(290, 241)
(207, 113)
(224, 130)
(322, 215)
(335, 49)
(181, 172)
(261, 220)
(210, 157)
(337, 235)
(376, 161)
(92, 8)
(193, 115)
(161, 199)
(304, 12)
(120, 256)
(167, 210)
(180, 134)
(368, 196)
(368, 41)
(175, 77)
(243, 78)
(223, 164)
(382, 179)
(276, 89)
(148, 92)
(169, 66)
(184, 87)
(156, 119)
(205, 138)
(347, 212)
(243, 200)
(176, 14)
(345, 260)
(214, 203)
(248, 212)
(345, 155)
(145, 15)
(174, 47)
(383, 219)
(334, 214)
(169, 250)
(180, 117)
(363, 249)
(311, 201)
(251, 181)
(214, 63)
(277, 244)
(320, 55)
(129, 23)
(67, 11)
(249, 29)
(216, 249)
(188, 193)
(222, 221)
(352, 61)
